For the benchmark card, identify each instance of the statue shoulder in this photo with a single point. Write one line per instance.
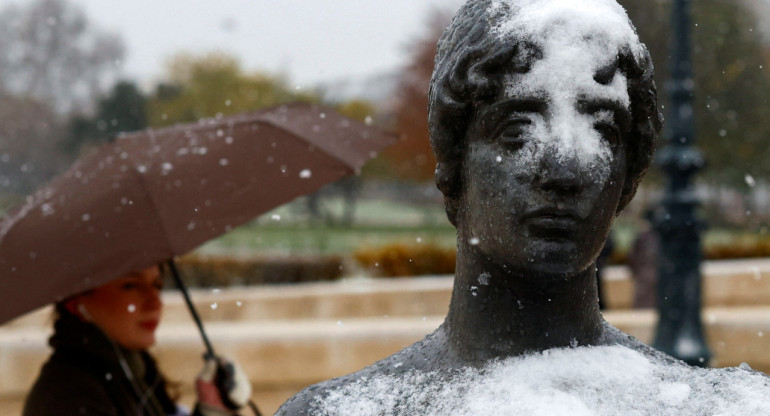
(306, 402)
(311, 400)
(614, 336)
(421, 356)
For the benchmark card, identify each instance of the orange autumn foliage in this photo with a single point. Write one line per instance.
(411, 158)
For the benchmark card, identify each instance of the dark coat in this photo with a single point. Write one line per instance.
(84, 376)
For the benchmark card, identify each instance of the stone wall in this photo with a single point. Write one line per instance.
(287, 337)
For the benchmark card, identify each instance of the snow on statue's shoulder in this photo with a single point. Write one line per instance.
(596, 381)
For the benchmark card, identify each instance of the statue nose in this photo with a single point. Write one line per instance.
(560, 173)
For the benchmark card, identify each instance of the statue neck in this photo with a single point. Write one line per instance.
(496, 313)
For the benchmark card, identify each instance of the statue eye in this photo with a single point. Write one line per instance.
(609, 132)
(511, 135)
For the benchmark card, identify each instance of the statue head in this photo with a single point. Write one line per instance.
(542, 113)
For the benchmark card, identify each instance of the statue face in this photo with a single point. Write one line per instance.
(545, 163)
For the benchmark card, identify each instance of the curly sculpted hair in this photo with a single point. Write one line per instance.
(469, 68)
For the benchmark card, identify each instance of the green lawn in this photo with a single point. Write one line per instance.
(288, 229)
(285, 239)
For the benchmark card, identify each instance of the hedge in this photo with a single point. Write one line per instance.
(223, 271)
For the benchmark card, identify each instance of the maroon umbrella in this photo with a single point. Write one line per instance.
(155, 194)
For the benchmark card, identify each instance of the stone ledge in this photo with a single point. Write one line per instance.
(281, 357)
(726, 283)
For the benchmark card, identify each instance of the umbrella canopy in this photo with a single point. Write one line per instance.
(151, 195)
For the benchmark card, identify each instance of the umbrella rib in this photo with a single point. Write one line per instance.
(330, 153)
(283, 128)
(265, 117)
(175, 273)
(154, 206)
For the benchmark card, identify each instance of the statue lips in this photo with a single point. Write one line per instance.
(552, 223)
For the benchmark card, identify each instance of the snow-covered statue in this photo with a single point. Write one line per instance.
(543, 118)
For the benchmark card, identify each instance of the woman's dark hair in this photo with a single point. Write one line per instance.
(172, 389)
(469, 68)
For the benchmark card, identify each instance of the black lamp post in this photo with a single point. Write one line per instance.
(680, 329)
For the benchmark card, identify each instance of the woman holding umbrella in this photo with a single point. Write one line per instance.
(142, 199)
(100, 364)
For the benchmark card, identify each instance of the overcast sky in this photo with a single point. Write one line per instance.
(314, 40)
(311, 40)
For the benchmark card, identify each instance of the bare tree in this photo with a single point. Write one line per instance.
(28, 147)
(51, 53)
(53, 63)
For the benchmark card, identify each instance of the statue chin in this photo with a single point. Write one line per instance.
(564, 258)
(537, 257)
(558, 268)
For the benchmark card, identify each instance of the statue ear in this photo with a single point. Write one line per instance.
(448, 181)
(626, 195)
(451, 205)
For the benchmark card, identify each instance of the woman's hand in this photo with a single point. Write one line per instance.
(222, 387)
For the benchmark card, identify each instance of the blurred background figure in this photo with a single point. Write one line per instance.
(642, 260)
(100, 364)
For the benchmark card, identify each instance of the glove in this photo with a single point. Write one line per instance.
(222, 387)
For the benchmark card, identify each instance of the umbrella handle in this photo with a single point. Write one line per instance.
(180, 284)
(209, 349)
(254, 408)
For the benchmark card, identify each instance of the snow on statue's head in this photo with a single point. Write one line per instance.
(499, 58)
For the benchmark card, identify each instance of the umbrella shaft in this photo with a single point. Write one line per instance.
(190, 306)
